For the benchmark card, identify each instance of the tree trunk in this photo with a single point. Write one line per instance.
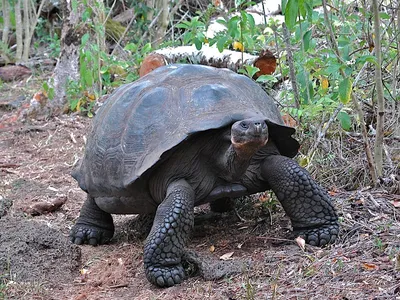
(67, 67)
(27, 29)
(18, 30)
(162, 22)
(6, 28)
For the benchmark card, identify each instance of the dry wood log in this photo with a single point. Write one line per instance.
(13, 72)
(209, 56)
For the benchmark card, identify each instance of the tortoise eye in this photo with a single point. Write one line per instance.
(244, 125)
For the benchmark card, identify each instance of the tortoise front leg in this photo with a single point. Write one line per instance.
(169, 235)
(307, 204)
(94, 226)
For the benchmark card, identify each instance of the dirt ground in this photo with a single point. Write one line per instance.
(37, 260)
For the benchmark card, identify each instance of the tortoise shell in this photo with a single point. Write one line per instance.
(142, 121)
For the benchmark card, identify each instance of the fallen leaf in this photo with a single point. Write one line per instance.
(332, 193)
(395, 203)
(264, 197)
(212, 248)
(370, 267)
(304, 161)
(301, 243)
(227, 256)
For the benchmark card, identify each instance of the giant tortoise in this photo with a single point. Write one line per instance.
(182, 136)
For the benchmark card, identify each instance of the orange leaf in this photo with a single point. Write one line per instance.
(370, 267)
(151, 62)
(266, 62)
(289, 121)
(332, 193)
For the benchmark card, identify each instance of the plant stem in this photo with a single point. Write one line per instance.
(292, 74)
(379, 91)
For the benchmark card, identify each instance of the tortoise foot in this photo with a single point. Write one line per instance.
(162, 276)
(92, 235)
(321, 236)
(94, 226)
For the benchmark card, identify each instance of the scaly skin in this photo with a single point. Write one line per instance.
(306, 203)
(169, 235)
(94, 226)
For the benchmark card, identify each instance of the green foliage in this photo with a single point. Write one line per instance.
(194, 32)
(100, 72)
(318, 69)
(240, 28)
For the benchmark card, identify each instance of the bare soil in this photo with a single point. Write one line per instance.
(37, 260)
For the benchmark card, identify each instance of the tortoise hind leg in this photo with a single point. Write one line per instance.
(94, 226)
(169, 235)
(306, 203)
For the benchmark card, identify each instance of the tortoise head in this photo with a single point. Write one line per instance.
(249, 135)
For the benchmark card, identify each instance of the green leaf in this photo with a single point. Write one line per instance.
(366, 58)
(345, 120)
(251, 70)
(333, 68)
(384, 16)
(302, 8)
(267, 78)
(73, 104)
(198, 43)
(88, 78)
(345, 88)
(86, 14)
(251, 21)
(45, 86)
(233, 30)
(74, 5)
(343, 41)
(85, 39)
(51, 93)
(103, 69)
(182, 25)
(221, 43)
(283, 4)
(291, 11)
(131, 47)
(146, 48)
(222, 22)
(306, 40)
